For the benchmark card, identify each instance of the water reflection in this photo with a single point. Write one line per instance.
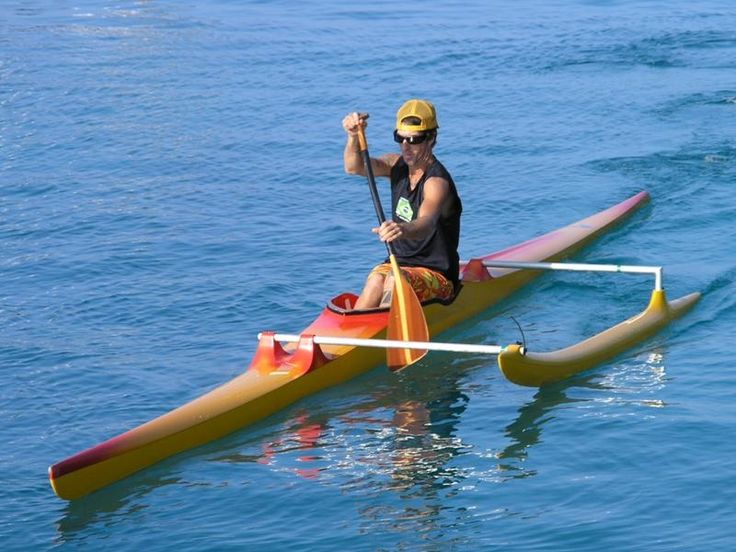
(103, 507)
(421, 453)
(407, 432)
(306, 437)
(412, 454)
(400, 440)
(526, 430)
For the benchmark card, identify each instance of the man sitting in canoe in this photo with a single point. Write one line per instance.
(424, 229)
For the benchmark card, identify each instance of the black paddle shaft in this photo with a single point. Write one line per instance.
(372, 185)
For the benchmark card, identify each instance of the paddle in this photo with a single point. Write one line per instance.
(406, 320)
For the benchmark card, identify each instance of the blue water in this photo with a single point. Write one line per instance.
(171, 184)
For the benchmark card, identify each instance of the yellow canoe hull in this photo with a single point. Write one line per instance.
(276, 379)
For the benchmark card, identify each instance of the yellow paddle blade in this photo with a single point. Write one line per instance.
(406, 322)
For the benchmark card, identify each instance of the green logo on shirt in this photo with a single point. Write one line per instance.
(404, 210)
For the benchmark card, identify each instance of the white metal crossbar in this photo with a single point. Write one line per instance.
(582, 267)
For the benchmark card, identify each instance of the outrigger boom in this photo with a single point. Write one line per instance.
(582, 267)
(537, 369)
(389, 343)
(469, 347)
(277, 377)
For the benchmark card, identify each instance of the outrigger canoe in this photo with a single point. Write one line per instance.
(277, 377)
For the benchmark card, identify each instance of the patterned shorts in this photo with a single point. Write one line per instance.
(427, 283)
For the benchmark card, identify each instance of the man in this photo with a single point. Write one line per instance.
(424, 227)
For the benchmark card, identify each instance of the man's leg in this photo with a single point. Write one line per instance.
(372, 293)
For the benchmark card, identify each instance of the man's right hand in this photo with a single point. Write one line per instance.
(353, 121)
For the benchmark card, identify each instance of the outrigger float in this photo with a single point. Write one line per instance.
(343, 343)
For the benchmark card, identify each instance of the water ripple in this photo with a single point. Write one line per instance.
(171, 184)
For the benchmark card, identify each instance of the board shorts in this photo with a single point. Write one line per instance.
(426, 283)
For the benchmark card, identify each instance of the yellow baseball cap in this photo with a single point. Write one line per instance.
(422, 110)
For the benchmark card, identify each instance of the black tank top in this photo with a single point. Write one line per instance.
(437, 251)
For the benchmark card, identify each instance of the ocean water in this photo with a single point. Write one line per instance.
(171, 184)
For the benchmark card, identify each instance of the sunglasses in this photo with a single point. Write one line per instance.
(412, 140)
